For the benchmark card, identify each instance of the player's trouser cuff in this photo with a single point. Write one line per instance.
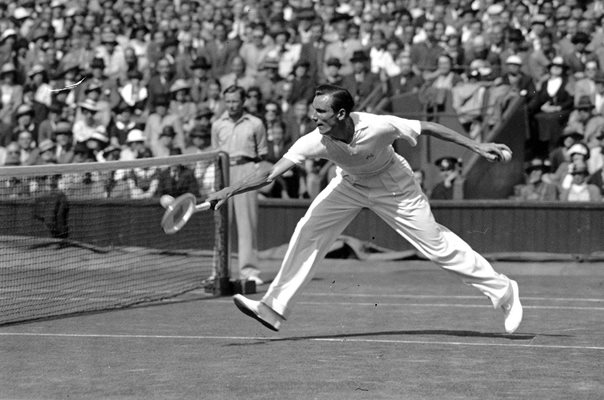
(276, 306)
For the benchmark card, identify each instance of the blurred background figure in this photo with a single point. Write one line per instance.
(450, 186)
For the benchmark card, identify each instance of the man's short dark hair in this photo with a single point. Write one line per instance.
(235, 89)
(341, 98)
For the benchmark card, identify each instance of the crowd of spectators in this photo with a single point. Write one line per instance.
(124, 79)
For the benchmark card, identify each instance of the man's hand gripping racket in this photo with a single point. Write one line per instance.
(179, 210)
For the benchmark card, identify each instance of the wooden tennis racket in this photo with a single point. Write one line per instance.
(179, 210)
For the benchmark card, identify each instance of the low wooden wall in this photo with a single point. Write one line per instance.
(490, 226)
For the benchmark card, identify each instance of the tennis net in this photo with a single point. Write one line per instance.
(87, 237)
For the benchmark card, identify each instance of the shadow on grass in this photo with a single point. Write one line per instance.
(423, 332)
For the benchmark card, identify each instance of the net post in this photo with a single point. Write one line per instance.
(222, 286)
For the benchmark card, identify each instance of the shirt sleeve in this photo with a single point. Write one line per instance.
(408, 129)
(307, 146)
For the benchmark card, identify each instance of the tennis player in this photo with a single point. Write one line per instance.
(370, 175)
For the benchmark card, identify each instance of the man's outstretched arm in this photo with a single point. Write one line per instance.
(260, 176)
(490, 151)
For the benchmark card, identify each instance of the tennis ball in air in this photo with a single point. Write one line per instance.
(166, 200)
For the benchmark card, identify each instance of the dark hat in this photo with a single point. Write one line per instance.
(8, 68)
(579, 148)
(167, 130)
(97, 63)
(338, 17)
(94, 85)
(89, 104)
(111, 149)
(557, 61)
(468, 10)
(170, 41)
(447, 163)
(200, 132)
(515, 35)
(539, 19)
(359, 56)
(537, 163)
(36, 69)
(204, 111)
(24, 109)
(270, 64)
(306, 13)
(302, 63)
(108, 38)
(135, 74)
(580, 37)
(46, 145)
(584, 103)
(333, 61)
(63, 128)
(161, 100)
(201, 63)
(571, 132)
(81, 148)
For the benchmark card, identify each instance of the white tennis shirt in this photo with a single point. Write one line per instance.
(370, 151)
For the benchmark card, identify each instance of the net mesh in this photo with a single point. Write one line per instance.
(87, 237)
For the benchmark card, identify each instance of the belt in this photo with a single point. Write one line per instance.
(241, 160)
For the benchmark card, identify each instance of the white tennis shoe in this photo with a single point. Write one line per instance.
(512, 309)
(259, 311)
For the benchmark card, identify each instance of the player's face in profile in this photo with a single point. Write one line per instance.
(323, 114)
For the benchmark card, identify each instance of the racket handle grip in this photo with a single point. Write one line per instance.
(206, 205)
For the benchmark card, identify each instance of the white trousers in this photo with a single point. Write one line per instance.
(396, 198)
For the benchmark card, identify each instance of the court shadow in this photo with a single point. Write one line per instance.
(419, 332)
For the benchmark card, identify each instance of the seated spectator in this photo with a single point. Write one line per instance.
(288, 185)
(535, 188)
(560, 154)
(303, 86)
(93, 95)
(550, 108)
(200, 139)
(577, 154)
(268, 79)
(579, 189)
(38, 82)
(25, 122)
(203, 118)
(333, 75)
(64, 142)
(85, 126)
(160, 83)
(47, 126)
(407, 81)
(135, 145)
(133, 92)
(143, 182)
(124, 120)
(298, 122)
(450, 186)
(156, 122)
(97, 142)
(27, 148)
(583, 120)
(420, 177)
(11, 187)
(344, 45)
(166, 145)
(181, 104)
(586, 86)
(364, 85)
(201, 71)
(115, 181)
(12, 93)
(46, 153)
(215, 101)
(237, 76)
(12, 157)
(596, 153)
(176, 181)
(435, 90)
(254, 102)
